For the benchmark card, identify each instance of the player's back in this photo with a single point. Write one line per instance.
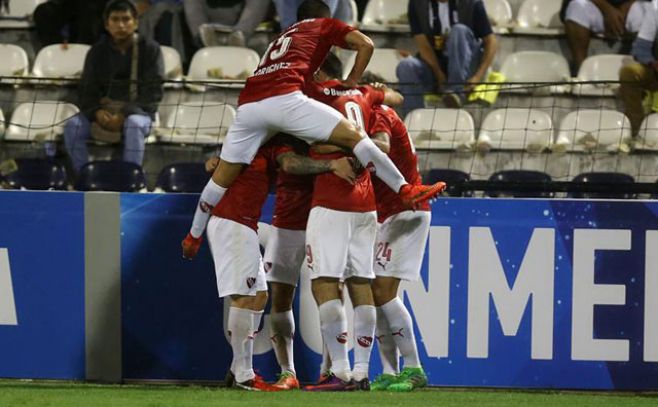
(294, 57)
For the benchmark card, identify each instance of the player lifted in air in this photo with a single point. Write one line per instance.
(272, 101)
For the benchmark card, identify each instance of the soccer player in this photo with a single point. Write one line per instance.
(399, 252)
(272, 101)
(340, 235)
(234, 246)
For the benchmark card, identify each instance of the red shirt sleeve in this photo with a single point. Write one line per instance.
(380, 123)
(335, 31)
(375, 95)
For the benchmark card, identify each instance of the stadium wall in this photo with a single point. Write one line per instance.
(514, 293)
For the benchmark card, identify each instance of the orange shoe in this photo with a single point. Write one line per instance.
(256, 384)
(414, 195)
(287, 381)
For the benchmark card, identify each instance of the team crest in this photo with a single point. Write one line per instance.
(342, 338)
(251, 281)
(365, 341)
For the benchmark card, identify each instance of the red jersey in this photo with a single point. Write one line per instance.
(402, 153)
(356, 104)
(293, 200)
(292, 58)
(243, 201)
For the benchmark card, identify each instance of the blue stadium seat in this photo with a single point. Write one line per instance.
(454, 178)
(604, 178)
(183, 177)
(118, 176)
(520, 176)
(38, 174)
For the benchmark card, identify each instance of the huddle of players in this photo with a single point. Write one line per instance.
(342, 204)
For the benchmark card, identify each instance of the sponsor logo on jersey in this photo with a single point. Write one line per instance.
(338, 93)
(364, 341)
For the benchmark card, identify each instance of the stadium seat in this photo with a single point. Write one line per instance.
(39, 121)
(117, 176)
(38, 174)
(647, 139)
(606, 178)
(14, 61)
(197, 123)
(384, 61)
(454, 179)
(535, 66)
(592, 129)
(355, 14)
(2, 124)
(604, 67)
(500, 14)
(182, 177)
(520, 176)
(386, 15)
(54, 61)
(539, 17)
(516, 129)
(20, 14)
(173, 67)
(441, 129)
(222, 64)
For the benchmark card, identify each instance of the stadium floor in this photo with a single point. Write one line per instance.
(67, 394)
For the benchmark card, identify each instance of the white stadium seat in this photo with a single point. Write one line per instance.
(20, 14)
(197, 123)
(385, 15)
(592, 129)
(383, 62)
(222, 64)
(14, 60)
(500, 14)
(441, 129)
(539, 17)
(603, 67)
(516, 129)
(173, 68)
(55, 61)
(2, 124)
(535, 66)
(39, 121)
(648, 135)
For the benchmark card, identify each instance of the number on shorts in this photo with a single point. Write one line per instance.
(273, 53)
(383, 251)
(309, 255)
(354, 114)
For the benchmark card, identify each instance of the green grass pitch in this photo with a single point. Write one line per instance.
(65, 394)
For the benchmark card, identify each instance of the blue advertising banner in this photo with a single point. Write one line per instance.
(514, 293)
(42, 305)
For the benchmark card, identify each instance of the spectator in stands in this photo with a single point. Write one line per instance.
(287, 11)
(614, 19)
(73, 21)
(456, 47)
(640, 76)
(119, 94)
(163, 22)
(241, 17)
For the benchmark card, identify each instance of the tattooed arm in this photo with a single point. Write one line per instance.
(300, 165)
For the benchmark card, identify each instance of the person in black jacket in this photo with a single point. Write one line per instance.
(107, 99)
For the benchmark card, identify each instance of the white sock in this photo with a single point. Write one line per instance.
(326, 360)
(282, 328)
(256, 316)
(365, 319)
(402, 330)
(333, 325)
(367, 152)
(240, 325)
(210, 196)
(388, 351)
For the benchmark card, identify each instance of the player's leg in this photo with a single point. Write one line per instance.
(365, 319)
(388, 353)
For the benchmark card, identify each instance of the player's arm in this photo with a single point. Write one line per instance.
(300, 165)
(382, 141)
(364, 47)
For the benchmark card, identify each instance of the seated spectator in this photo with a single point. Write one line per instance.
(162, 21)
(614, 19)
(113, 105)
(241, 17)
(287, 11)
(640, 76)
(73, 21)
(456, 46)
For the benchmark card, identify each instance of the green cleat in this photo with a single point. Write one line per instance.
(383, 381)
(410, 378)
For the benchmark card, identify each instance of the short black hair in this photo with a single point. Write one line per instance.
(313, 9)
(372, 77)
(332, 66)
(119, 5)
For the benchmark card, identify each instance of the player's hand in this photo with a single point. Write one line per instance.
(211, 164)
(103, 117)
(191, 246)
(349, 83)
(344, 168)
(116, 122)
(471, 83)
(614, 21)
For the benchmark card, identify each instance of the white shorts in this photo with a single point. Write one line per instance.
(293, 113)
(586, 14)
(235, 251)
(400, 245)
(284, 255)
(339, 244)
